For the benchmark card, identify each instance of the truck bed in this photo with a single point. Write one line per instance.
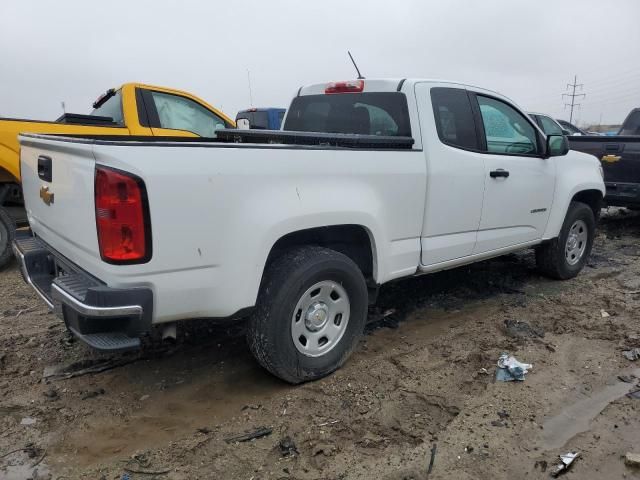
(271, 137)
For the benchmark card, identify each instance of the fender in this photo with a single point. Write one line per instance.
(576, 172)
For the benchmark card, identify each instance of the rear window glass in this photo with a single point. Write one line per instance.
(373, 113)
(258, 120)
(111, 108)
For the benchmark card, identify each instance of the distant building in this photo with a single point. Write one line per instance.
(604, 128)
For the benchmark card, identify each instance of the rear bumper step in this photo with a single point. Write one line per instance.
(105, 318)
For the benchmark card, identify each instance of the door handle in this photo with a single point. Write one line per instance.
(45, 168)
(499, 173)
(613, 147)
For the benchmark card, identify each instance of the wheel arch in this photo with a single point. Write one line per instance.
(353, 240)
(591, 194)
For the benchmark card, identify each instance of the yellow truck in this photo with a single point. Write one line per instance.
(133, 109)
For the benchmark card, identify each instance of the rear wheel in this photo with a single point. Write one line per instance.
(310, 314)
(7, 234)
(565, 256)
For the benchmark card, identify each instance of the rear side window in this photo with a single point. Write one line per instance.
(372, 113)
(111, 108)
(454, 118)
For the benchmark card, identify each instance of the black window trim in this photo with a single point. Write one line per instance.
(475, 106)
(152, 111)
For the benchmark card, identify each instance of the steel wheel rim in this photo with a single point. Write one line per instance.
(320, 318)
(576, 242)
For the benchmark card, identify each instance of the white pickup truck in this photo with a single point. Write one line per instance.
(370, 181)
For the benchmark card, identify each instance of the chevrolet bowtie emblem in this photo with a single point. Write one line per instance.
(46, 195)
(610, 158)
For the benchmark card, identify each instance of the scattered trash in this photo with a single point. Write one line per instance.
(287, 447)
(498, 423)
(632, 355)
(515, 328)
(144, 397)
(332, 422)
(625, 379)
(251, 407)
(204, 430)
(542, 464)
(28, 421)
(483, 371)
(632, 460)
(635, 394)
(432, 459)
(125, 476)
(93, 393)
(245, 437)
(604, 314)
(510, 369)
(566, 461)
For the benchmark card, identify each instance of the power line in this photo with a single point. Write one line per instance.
(573, 95)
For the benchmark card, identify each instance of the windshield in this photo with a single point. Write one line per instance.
(374, 113)
(111, 108)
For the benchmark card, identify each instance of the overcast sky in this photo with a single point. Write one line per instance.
(73, 50)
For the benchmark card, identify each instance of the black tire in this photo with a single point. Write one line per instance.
(7, 235)
(285, 282)
(551, 258)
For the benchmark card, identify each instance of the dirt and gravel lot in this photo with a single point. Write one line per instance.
(422, 376)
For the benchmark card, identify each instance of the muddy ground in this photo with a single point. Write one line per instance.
(422, 376)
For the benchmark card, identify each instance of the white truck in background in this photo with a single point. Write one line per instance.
(369, 181)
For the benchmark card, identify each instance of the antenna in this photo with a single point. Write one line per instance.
(250, 93)
(360, 77)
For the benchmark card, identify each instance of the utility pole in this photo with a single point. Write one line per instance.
(573, 95)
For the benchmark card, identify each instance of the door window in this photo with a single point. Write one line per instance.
(454, 118)
(180, 113)
(507, 131)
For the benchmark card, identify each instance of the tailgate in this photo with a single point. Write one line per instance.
(620, 156)
(621, 161)
(58, 186)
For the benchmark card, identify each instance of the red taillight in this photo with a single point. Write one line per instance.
(122, 217)
(351, 86)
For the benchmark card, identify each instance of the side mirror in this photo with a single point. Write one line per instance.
(557, 146)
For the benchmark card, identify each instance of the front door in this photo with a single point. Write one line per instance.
(519, 183)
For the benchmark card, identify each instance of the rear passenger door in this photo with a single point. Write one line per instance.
(518, 182)
(455, 173)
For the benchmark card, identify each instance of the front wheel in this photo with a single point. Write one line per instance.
(7, 234)
(310, 314)
(565, 256)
